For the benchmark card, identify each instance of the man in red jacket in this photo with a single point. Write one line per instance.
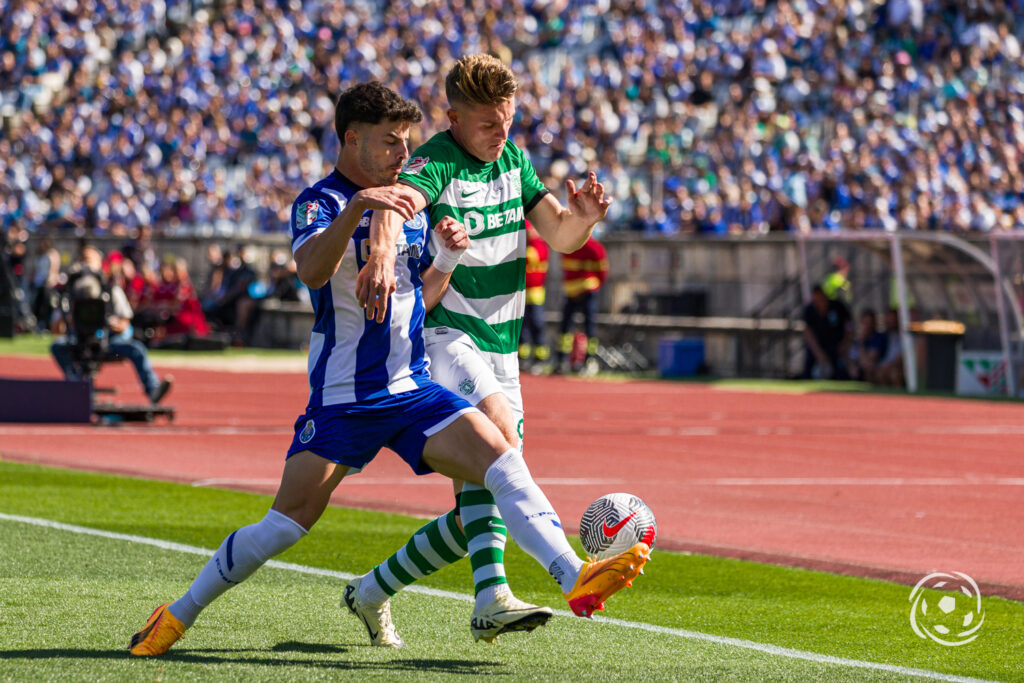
(584, 272)
(533, 351)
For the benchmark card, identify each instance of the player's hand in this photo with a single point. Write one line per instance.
(589, 202)
(398, 198)
(374, 285)
(117, 325)
(456, 242)
(453, 233)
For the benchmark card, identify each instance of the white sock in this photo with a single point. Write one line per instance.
(186, 609)
(489, 594)
(241, 554)
(530, 519)
(370, 591)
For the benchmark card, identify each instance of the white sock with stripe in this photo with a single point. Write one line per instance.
(242, 553)
(530, 518)
(434, 546)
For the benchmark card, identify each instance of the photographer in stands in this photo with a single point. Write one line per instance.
(95, 319)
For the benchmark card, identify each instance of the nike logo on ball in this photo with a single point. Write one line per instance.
(610, 531)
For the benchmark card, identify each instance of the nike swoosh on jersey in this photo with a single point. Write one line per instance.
(466, 195)
(610, 531)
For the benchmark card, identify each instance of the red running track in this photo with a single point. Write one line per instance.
(883, 486)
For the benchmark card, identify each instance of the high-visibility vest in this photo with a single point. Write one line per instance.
(585, 269)
(536, 268)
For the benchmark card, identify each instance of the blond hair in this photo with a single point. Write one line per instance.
(480, 79)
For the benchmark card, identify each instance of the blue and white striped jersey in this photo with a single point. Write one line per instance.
(351, 358)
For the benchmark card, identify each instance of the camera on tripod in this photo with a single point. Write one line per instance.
(86, 307)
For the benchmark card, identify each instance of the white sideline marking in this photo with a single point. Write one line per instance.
(404, 481)
(720, 481)
(450, 595)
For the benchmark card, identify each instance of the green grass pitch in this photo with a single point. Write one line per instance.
(69, 602)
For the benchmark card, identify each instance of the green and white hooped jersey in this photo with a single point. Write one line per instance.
(486, 297)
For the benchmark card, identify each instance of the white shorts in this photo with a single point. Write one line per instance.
(458, 365)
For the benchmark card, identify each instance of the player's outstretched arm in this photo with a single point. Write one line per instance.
(567, 229)
(436, 277)
(376, 281)
(315, 265)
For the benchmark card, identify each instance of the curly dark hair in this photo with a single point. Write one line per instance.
(372, 103)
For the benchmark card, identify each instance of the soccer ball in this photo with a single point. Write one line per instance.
(616, 522)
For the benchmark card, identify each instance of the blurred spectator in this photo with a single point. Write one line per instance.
(222, 307)
(215, 269)
(17, 253)
(125, 274)
(173, 313)
(827, 337)
(188, 320)
(890, 367)
(868, 348)
(284, 283)
(14, 249)
(45, 278)
(281, 284)
(836, 284)
(722, 116)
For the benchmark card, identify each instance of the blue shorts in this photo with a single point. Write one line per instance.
(352, 433)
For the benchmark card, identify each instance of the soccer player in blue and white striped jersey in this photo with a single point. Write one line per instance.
(369, 385)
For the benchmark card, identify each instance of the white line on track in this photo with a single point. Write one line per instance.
(765, 648)
(855, 481)
(836, 429)
(149, 430)
(698, 430)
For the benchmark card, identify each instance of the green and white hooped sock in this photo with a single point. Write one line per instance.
(434, 546)
(485, 537)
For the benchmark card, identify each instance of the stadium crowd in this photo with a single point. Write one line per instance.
(722, 116)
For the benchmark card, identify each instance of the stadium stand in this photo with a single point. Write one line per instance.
(725, 116)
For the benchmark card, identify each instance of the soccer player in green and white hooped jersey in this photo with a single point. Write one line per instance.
(473, 173)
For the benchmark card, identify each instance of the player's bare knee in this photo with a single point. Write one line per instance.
(497, 409)
(305, 515)
(465, 448)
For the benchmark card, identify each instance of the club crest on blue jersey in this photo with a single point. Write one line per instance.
(416, 222)
(307, 432)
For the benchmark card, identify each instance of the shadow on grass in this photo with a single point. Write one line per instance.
(253, 656)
